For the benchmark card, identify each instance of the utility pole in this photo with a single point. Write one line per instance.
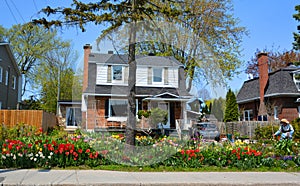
(58, 91)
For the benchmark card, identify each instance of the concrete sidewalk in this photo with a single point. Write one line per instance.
(102, 177)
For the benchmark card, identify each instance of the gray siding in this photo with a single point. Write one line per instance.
(8, 94)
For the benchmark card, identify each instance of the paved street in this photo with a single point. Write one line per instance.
(100, 177)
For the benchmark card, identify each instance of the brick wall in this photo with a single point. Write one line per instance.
(263, 80)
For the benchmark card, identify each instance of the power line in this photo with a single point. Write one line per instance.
(11, 12)
(17, 10)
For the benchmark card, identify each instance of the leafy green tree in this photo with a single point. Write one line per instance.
(218, 108)
(231, 108)
(296, 42)
(29, 44)
(57, 79)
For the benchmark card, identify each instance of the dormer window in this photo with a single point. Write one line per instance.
(296, 77)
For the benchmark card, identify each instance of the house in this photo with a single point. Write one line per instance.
(271, 96)
(160, 82)
(10, 79)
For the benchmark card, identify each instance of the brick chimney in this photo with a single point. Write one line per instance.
(87, 50)
(263, 80)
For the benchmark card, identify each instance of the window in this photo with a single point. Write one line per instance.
(296, 77)
(157, 75)
(6, 77)
(248, 115)
(73, 116)
(1, 73)
(276, 113)
(118, 107)
(117, 73)
(0, 105)
(14, 81)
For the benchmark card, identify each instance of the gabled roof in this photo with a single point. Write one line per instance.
(280, 83)
(115, 59)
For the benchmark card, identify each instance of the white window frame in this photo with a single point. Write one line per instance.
(113, 75)
(1, 74)
(6, 77)
(248, 118)
(154, 75)
(14, 81)
(276, 112)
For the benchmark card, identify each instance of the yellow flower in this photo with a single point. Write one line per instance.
(4, 150)
(41, 149)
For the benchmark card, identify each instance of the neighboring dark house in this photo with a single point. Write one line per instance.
(271, 96)
(10, 79)
(160, 83)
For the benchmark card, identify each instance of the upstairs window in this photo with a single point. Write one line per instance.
(117, 73)
(6, 77)
(157, 75)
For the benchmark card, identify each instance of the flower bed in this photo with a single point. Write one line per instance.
(94, 150)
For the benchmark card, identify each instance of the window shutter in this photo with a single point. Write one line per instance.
(149, 76)
(126, 73)
(166, 74)
(109, 74)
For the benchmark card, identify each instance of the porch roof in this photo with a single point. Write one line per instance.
(141, 91)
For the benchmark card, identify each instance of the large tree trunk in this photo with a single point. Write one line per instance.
(131, 108)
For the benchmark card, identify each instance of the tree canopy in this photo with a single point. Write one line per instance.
(296, 42)
(277, 60)
(29, 44)
(57, 79)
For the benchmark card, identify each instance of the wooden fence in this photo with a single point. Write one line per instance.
(37, 118)
(245, 128)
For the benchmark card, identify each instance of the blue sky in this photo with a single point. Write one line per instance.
(269, 22)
